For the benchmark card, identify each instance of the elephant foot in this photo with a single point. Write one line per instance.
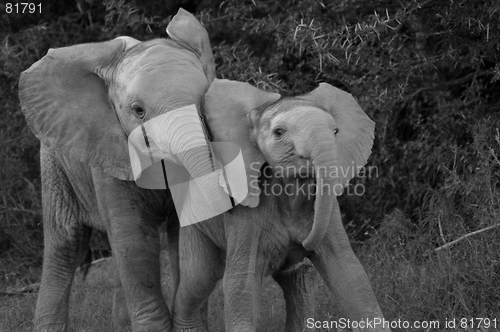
(190, 329)
(51, 328)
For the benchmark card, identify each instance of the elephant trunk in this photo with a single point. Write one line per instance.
(323, 158)
(185, 139)
(178, 140)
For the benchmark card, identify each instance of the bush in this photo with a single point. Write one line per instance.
(425, 72)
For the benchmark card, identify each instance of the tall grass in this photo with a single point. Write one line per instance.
(448, 264)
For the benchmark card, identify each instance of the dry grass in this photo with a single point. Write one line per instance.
(412, 283)
(90, 309)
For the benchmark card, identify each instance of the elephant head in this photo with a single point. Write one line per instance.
(323, 134)
(86, 100)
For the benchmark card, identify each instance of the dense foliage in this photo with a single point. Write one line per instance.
(426, 71)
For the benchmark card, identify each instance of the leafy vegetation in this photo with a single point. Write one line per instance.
(426, 71)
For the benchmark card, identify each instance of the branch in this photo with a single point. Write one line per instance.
(449, 244)
(33, 288)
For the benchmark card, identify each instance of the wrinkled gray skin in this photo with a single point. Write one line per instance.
(82, 102)
(242, 246)
(202, 264)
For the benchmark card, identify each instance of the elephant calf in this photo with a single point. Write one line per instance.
(299, 153)
(87, 103)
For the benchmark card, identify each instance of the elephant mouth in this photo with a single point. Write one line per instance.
(302, 170)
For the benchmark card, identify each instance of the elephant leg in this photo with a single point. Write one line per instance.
(298, 283)
(242, 281)
(136, 249)
(201, 266)
(120, 318)
(132, 217)
(65, 248)
(172, 271)
(241, 301)
(347, 280)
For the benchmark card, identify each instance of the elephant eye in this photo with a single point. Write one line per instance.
(278, 133)
(335, 131)
(139, 112)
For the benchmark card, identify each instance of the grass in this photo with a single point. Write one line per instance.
(412, 283)
(417, 284)
(90, 309)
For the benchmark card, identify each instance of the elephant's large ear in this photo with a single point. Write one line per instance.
(355, 129)
(64, 98)
(227, 108)
(187, 31)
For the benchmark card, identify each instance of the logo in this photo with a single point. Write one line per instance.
(171, 151)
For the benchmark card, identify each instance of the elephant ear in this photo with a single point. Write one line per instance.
(355, 129)
(188, 32)
(227, 109)
(64, 98)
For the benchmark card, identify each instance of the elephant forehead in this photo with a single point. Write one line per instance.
(302, 115)
(159, 60)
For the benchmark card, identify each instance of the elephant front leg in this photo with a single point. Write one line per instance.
(241, 301)
(63, 253)
(136, 248)
(298, 283)
(242, 280)
(121, 321)
(347, 280)
(200, 269)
